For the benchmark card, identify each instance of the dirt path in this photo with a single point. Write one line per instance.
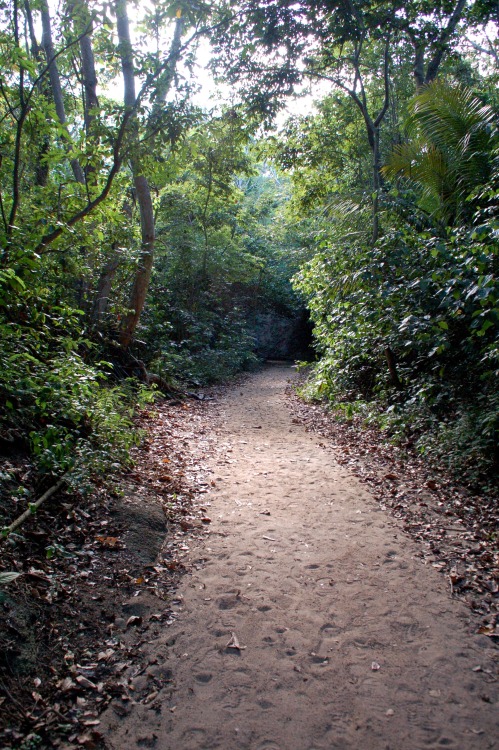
(347, 639)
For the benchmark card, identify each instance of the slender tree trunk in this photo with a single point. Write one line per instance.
(143, 275)
(373, 127)
(41, 168)
(104, 287)
(166, 79)
(89, 81)
(141, 185)
(55, 84)
(441, 47)
(376, 186)
(204, 220)
(82, 21)
(392, 368)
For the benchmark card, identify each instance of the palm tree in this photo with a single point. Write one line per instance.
(450, 151)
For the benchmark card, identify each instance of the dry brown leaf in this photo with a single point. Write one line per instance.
(84, 682)
(108, 541)
(134, 620)
(234, 643)
(66, 684)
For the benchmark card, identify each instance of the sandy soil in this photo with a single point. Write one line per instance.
(346, 639)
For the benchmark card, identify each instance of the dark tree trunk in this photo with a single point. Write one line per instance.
(41, 167)
(392, 368)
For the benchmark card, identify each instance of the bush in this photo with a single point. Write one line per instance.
(55, 402)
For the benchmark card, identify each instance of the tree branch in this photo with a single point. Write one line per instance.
(446, 33)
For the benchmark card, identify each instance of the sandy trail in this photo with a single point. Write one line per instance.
(320, 587)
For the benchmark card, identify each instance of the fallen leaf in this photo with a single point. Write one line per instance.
(86, 683)
(85, 739)
(133, 620)
(108, 541)
(66, 684)
(105, 655)
(488, 630)
(234, 643)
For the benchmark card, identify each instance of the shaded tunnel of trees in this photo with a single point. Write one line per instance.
(147, 239)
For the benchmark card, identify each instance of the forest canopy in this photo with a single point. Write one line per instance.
(148, 239)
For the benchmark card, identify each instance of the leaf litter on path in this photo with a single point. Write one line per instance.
(455, 527)
(81, 563)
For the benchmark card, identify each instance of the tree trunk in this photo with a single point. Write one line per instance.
(392, 368)
(376, 186)
(166, 79)
(426, 74)
(441, 47)
(89, 81)
(55, 84)
(143, 275)
(373, 127)
(141, 185)
(82, 21)
(104, 287)
(41, 167)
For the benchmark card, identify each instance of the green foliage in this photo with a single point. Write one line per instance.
(231, 230)
(215, 348)
(53, 399)
(408, 329)
(451, 149)
(223, 255)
